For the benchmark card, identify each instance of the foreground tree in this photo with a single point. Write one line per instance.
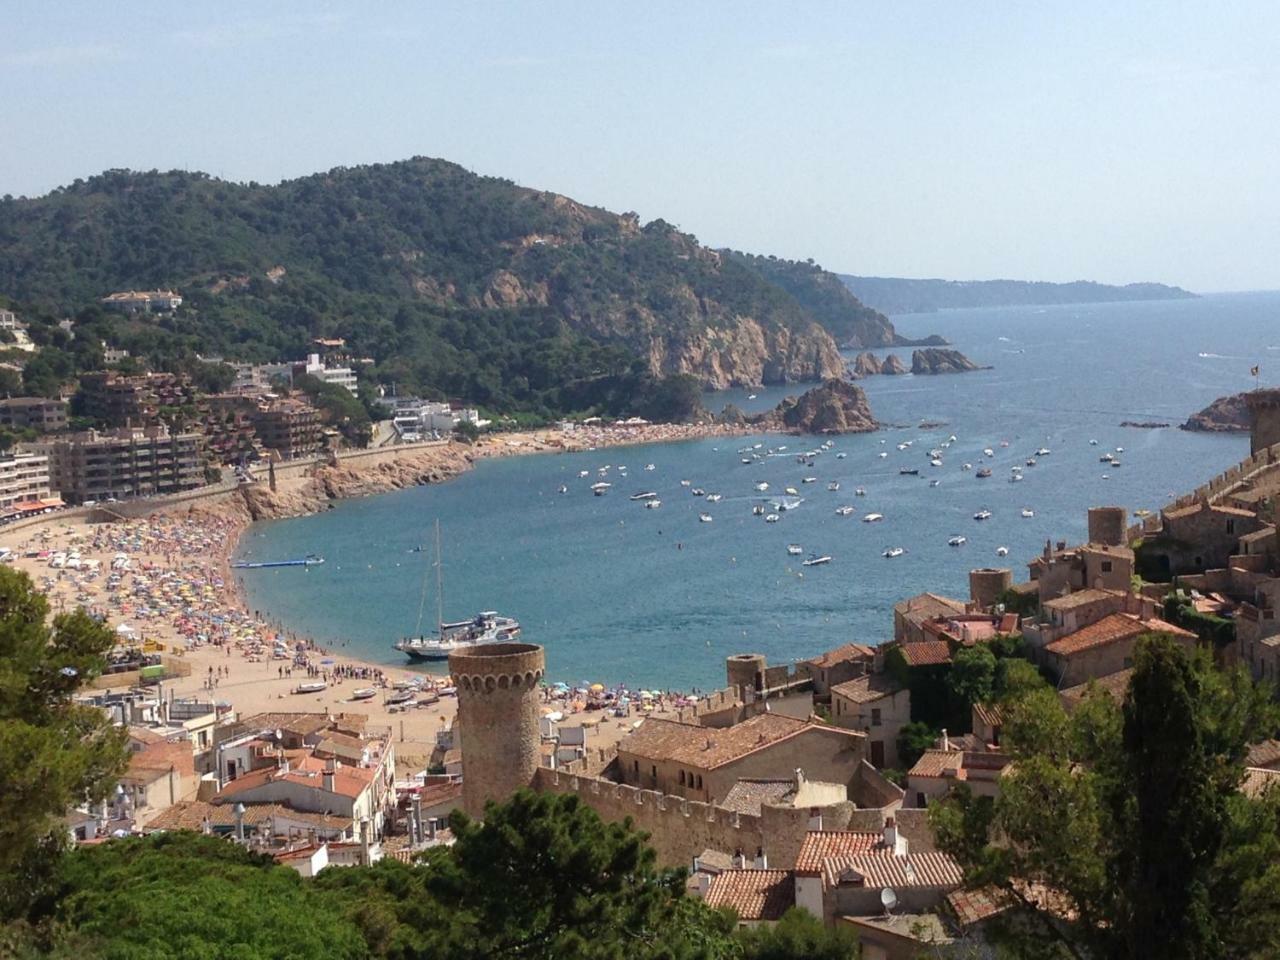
(54, 753)
(1121, 829)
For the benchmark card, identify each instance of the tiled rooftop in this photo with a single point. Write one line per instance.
(974, 906)
(1264, 754)
(1081, 598)
(926, 653)
(866, 689)
(1112, 629)
(850, 651)
(706, 747)
(884, 870)
(927, 606)
(936, 763)
(192, 814)
(821, 845)
(753, 894)
(747, 796)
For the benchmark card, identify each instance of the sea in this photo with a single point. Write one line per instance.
(618, 593)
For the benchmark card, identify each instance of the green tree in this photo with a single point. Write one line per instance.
(913, 740)
(1133, 814)
(972, 680)
(54, 753)
(799, 934)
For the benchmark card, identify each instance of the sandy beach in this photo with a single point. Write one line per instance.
(164, 583)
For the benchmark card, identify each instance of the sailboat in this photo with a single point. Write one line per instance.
(485, 627)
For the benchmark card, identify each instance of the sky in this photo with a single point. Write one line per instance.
(1056, 141)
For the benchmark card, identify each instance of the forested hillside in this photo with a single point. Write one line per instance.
(452, 283)
(896, 295)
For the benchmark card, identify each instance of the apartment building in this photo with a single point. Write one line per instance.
(37, 413)
(122, 463)
(290, 427)
(23, 478)
(143, 301)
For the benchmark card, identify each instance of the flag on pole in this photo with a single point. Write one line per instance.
(1253, 371)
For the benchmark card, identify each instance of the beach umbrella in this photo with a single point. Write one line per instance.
(326, 661)
(597, 688)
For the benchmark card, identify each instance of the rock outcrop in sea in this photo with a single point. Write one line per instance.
(1224, 415)
(934, 360)
(835, 406)
(866, 364)
(892, 366)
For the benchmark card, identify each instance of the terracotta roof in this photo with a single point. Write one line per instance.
(885, 870)
(926, 653)
(309, 772)
(874, 686)
(850, 651)
(927, 606)
(753, 894)
(936, 763)
(820, 845)
(990, 714)
(1193, 509)
(1008, 623)
(1112, 629)
(747, 796)
(1258, 780)
(1116, 684)
(192, 814)
(1264, 754)
(440, 793)
(706, 748)
(974, 906)
(1080, 598)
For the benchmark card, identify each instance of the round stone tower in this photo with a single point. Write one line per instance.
(497, 686)
(1107, 525)
(987, 583)
(745, 671)
(1264, 418)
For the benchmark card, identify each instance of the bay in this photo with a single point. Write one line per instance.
(618, 593)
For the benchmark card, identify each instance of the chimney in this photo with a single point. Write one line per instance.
(946, 740)
(365, 842)
(815, 818)
(329, 771)
(799, 777)
(896, 843)
(762, 861)
(739, 861)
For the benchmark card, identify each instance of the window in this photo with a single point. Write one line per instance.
(919, 799)
(635, 766)
(1106, 566)
(653, 773)
(875, 716)
(682, 778)
(1231, 526)
(699, 781)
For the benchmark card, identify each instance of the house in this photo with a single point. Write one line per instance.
(1091, 566)
(756, 896)
(142, 301)
(313, 785)
(264, 820)
(160, 774)
(838, 665)
(1105, 647)
(925, 653)
(938, 770)
(910, 615)
(1194, 538)
(703, 763)
(878, 707)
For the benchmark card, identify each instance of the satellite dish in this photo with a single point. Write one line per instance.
(888, 898)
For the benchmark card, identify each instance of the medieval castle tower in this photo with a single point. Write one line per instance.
(498, 699)
(1264, 410)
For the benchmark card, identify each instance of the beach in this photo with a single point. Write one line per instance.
(164, 583)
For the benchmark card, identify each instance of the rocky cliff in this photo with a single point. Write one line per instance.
(836, 406)
(941, 361)
(892, 366)
(865, 365)
(1224, 415)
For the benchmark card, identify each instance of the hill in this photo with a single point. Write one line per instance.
(453, 284)
(896, 295)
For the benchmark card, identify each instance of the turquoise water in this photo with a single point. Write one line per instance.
(654, 597)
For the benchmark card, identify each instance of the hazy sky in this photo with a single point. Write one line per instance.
(1057, 141)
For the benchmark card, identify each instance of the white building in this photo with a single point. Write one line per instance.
(143, 301)
(23, 478)
(342, 376)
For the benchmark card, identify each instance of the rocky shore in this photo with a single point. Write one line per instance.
(1224, 415)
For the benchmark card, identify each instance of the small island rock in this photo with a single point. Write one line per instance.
(1224, 415)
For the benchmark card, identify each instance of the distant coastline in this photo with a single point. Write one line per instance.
(899, 295)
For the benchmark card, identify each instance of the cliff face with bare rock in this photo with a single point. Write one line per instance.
(1224, 415)
(892, 366)
(836, 406)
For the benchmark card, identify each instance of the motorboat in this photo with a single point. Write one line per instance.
(909, 472)
(809, 480)
(1028, 512)
(1002, 551)
(698, 492)
(791, 491)
(983, 473)
(782, 506)
(364, 693)
(563, 488)
(601, 488)
(1015, 478)
(314, 687)
(873, 517)
(746, 460)
(893, 552)
(396, 699)
(794, 549)
(815, 561)
(841, 456)
(1119, 449)
(713, 498)
(957, 542)
(584, 473)
(646, 495)
(757, 510)
(982, 515)
(650, 466)
(833, 486)
(762, 486)
(860, 491)
(844, 511)
(705, 518)
(988, 452)
(1043, 452)
(935, 462)
(934, 483)
(1106, 458)
(1115, 462)
(1031, 461)
(652, 504)
(685, 483)
(967, 466)
(1093, 443)
(771, 518)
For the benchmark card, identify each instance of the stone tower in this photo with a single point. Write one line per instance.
(497, 686)
(987, 583)
(1107, 526)
(1264, 418)
(745, 671)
